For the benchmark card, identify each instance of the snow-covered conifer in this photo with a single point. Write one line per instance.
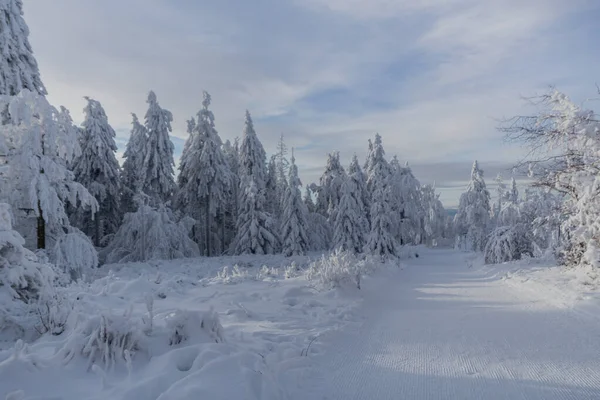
(213, 176)
(295, 239)
(435, 216)
(42, 142)
(351, 227)
(231, 152)
(308, 201)
(273, 200)
(18, 66)
(20, 273)
(330, 185)
(513, 195)
(282, 165)
(98, 170)
(252, 157)
(407, 205)
(150, 234)
(472, 220)
(191, 148)
(131, 173)
(158, 176)
(381, 241)
(361, 180)
(256, 228)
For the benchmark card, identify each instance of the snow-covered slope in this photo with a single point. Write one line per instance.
(268, 318)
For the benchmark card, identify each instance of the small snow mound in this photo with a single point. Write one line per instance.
(193, 326)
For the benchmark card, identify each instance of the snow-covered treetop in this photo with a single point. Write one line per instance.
(18, 67)
(158, 163)
(134, 155)
(252, 155)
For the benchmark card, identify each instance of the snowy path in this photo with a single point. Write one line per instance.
(439, 330)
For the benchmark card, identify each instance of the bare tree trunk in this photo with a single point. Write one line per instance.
(41, 228)
(222, 224)
(97, 226)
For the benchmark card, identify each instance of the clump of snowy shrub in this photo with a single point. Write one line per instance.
(337, 269)
(53, 310)
(150, 234)
(232, 275)
(508, 243)
(186, 325)
(105, 340)
(21, 275)
(75, 254)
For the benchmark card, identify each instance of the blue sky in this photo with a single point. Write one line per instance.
(432, 76)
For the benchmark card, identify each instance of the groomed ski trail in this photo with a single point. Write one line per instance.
(440, 330)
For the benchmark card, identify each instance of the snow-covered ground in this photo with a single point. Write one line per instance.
(443, 326)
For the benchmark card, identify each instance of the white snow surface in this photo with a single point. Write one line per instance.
(442, 326)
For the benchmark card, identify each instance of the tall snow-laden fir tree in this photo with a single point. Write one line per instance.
(98, 170)
(308, 201)
(213, 177)
(351, 226)
(295, 239)
(256, 229)
(435, 216)
(231, 152)
(191, 148)
(381, 241)
(407, 205)
(472, 220)
(273, 200)
(513, 195)
(18, 66)
(330, 186)
(501, 196)
(159, 181)
(131, 173)
(42, 142)
(361, 179)
(252, 156)
(282, 165)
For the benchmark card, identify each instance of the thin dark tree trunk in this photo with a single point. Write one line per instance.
(41, 228)
(222, 224)
(97, 226)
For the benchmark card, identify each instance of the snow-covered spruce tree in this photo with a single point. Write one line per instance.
(18, 65)
(472, 220)
(407, 205)
(273, 200)
(295, 239)
(22, 277)
(282, 165)
(131, 173)
(541, 211)
(158, 177)
(435, 216)
(567, 135)
(330, 184)
(513, 194)
(42, 142)
(231, 152)
(501, 196)
(308, 201)
(149, 234)
(351, 227)
(252, 156)
(361, 180)
(256, 228)
(98, 170)
(186, 200)
(213, 178)
(381, 241)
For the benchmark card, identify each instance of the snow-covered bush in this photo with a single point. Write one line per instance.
(75, 254)
(150, 234)
(186, 325)
(337, 269)
(508, 243)
(105, 340)
(53, 310)
(232, 275)
(21, 275)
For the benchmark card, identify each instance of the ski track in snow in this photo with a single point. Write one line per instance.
(440, 330)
